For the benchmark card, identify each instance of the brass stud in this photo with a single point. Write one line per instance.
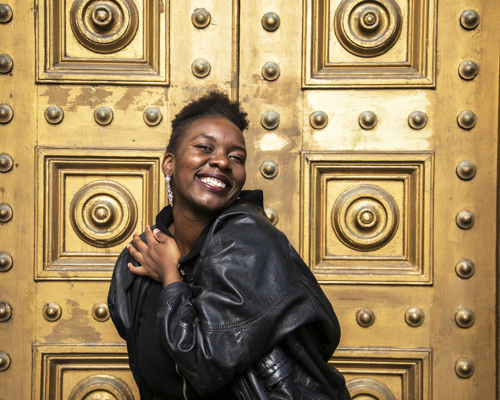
(272, 215)
(465, 219)
(5, 261)
(5, 311)
(414, 317)
(318, 119)
(270, 120)
(269, 169)
(465, 268)
(271, 71)
(270, 21)
(465, 318)
(466, 119)
(5, 13)
(468, 69)
(464, 368)
(4, 361)
(200, 67)
(100, 312)
(6, 63)
(365, 317)
(201, 18)
(417, 119)
(6, 113)
(5, 213)
(469, 19)
(103, 115)
(53, 114)
(367, 120)
(466, 170)
(6, 162)
(152, 116)
(52, 312)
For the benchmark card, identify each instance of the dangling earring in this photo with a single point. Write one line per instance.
(170, 195)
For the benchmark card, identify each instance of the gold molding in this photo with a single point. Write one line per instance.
(403, 257)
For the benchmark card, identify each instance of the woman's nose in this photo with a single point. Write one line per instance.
(220, 160)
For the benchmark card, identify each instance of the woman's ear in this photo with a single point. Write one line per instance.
(167, 165)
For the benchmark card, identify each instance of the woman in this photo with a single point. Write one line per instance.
(214, 302)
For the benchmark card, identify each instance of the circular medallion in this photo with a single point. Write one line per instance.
(365, 217)
(101, 387)
(366, 388)
(104, 26)
(103, 213)
(368, 28)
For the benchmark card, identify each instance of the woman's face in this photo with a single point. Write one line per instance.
(208, 170)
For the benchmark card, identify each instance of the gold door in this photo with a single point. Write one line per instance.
(373, 134)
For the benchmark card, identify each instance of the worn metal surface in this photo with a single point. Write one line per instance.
(374, 135)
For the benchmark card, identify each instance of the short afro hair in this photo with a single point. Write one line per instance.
(215, 103)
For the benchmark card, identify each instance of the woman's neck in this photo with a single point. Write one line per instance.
(186, 228)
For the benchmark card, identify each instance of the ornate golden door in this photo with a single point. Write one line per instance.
(374, 137)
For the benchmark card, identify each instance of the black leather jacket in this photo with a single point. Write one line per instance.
(252, 315)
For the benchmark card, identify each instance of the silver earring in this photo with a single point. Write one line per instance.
(170, 195)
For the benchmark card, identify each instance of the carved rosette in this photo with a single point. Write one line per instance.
(103, 213)
(366, 388)
(101, 387)
(368, 28)
(104, 26)
(365, 217)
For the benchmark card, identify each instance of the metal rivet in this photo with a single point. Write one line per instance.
(269, 169)
(103, 115)
(270, 21)
(6, 113)
(271, 71)
(414, 317)
(465, 318)
(466, 170)
(466, 119)
(465, 219)
(367, 120)
(6, 162)
(5, 261)
(465, 268)
(6, 63)
(52, 312)
(5, 13)
(200, 67)
(100, 312)
(5, 212)
(270, 119)
(464, 368)
(201, 18)
(417, 119)
(468, 69)
(469, 19)
(4, 361)
(53, 114)
(272, 215)
(5, 311)
(318, 119)
(365, 317)
(152, 116)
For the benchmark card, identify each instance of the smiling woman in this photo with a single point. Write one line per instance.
(213, 301)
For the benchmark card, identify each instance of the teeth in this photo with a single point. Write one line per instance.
(213, 182)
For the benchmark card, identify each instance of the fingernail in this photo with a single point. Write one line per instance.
(147, 226)
(128, 245)
(156, 230)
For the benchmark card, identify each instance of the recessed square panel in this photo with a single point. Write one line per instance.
(92, 202)
(375, 43)
(109, 41)
(367, 217)
(386, 373)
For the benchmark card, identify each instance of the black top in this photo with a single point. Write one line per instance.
(157, 368)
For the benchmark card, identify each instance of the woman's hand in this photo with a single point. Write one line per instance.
(158, 257)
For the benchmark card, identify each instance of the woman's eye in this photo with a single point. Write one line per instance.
(202, 147)
(237, 158)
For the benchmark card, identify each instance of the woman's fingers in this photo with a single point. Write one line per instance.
(136, 255)
(150, 238)
(160, 236)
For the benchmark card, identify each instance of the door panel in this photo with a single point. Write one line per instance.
(373, 134)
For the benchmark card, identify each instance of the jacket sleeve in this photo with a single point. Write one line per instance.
(247, 300)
